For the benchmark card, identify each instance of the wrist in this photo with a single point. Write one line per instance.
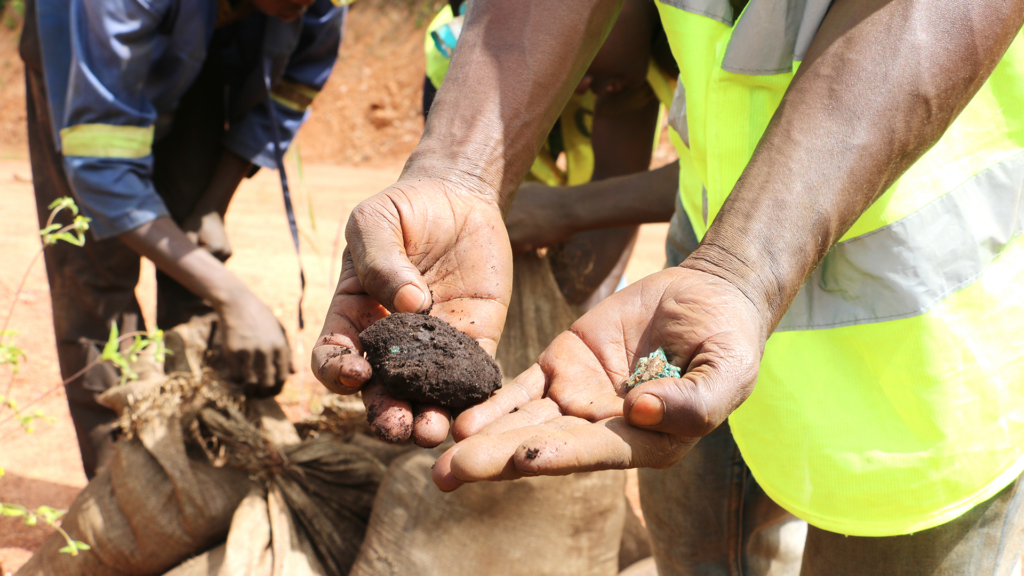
(476, 174)
(227, 292)
(756, 278)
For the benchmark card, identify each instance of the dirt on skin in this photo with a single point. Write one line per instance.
(367, 115)
(423, 359)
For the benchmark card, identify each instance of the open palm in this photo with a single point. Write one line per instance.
(571, 411)
(414, 247)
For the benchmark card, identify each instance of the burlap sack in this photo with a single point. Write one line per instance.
(635, 544)
(645, 567)
(536, 314)
(263, 541)
(156, 503)
(191, 452)
(530, 527)
(309, 522)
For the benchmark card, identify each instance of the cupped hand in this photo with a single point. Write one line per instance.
(417, 246)
(255, 345)
(207, 231)
(539, 218)
(571, 412)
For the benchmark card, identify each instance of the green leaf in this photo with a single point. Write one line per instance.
(76, 239)
(49, 515)
(69, 549)
(160, 350)
(112, 353)
(111, 349)
(73, 233)
(31, 519)
(82, 545)
(12, 510)
(81, 223)
(62, 203)
(9, 353)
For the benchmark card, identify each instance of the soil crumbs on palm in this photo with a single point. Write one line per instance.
(423, 359)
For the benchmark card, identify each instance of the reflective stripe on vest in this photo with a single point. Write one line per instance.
(437, 63)
(107, 141)
(889, 400)
(293, 95)
(864, 280)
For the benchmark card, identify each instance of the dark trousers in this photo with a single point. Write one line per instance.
(93, 286)
(707, 515)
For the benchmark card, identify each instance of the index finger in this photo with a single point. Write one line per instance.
(337, 358)
(526, 387)
(611, 444)
(560, 446)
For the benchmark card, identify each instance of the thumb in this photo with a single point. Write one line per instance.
(695, 404)
(377, 249)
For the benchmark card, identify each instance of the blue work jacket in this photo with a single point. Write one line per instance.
(115, 72)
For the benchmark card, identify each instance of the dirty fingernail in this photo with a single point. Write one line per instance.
(410, 298)
(647, 410)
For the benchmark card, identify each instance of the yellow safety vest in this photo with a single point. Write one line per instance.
(576, 120)
(891, 397)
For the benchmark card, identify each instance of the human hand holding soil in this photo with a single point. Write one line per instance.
(571, 412)
(418, 245)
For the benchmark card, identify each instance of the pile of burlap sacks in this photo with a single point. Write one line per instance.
(200, 481)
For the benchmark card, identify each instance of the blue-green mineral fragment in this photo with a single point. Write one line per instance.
(651, 368)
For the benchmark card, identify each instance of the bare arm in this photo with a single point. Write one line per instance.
(231, 169)
(436, 239)
(622, 145)
(255, 343)
(543, 215)
(516, 66)
(880, 84)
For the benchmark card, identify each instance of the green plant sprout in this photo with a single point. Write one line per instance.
(12, 355)
(25, 420)
(111, 353)
(51, 233)
(49, 516)
(73, 233)
(123, 360)
(13, 18)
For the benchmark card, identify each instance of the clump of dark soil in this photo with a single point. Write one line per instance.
(423, 359)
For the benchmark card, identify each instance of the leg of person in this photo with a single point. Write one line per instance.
(91, 286)
(987, 540)
(707, 515)
(184, 163)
